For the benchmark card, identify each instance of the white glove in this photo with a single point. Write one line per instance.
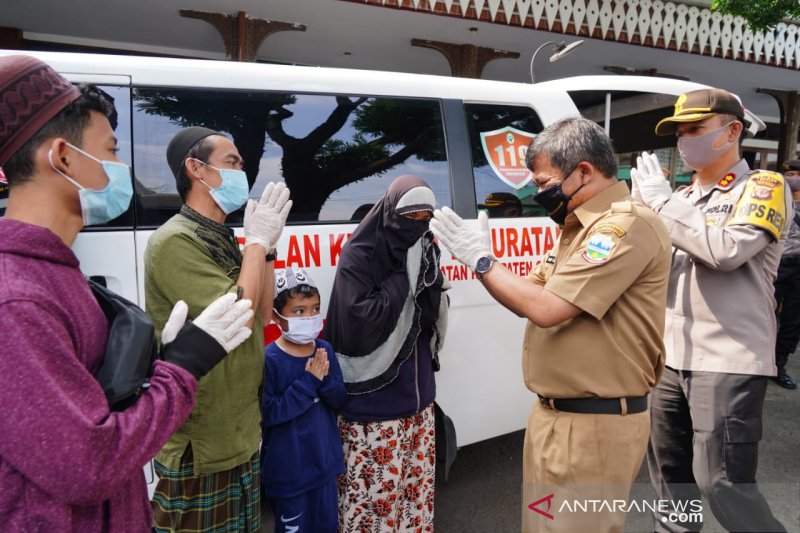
(650, 182)
(176, 320)
(467, 244)
(225, 319)
(264, 220)
(635, 193)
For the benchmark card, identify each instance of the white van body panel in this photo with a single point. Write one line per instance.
(111, 255)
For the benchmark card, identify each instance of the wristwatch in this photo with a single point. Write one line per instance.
(483, 265)
(272, 255)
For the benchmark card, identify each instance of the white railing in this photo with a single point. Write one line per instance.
(655, 23)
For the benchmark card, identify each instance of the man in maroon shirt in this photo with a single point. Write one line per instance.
(67, 462)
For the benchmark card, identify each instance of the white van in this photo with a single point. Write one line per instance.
(338, 138)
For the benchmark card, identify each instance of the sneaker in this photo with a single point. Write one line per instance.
(785, 380)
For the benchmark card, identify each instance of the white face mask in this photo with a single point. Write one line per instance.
(302, 329)
(699, 152)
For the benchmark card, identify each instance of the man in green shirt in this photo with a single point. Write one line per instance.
(209, 471)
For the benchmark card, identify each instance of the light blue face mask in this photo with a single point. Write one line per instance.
(234, 190)
(98, 206)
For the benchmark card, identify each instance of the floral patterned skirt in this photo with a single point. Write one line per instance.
(388, 483)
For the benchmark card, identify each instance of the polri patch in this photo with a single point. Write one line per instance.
(599, 248)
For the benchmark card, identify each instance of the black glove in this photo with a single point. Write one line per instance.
(193, 350)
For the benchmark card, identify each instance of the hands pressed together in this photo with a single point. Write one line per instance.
(318, 364)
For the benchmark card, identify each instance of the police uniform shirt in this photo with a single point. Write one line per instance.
(727, 241)
(612, 261)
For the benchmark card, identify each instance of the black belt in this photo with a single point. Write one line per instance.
(600, 406)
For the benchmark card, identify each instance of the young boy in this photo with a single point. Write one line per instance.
(301, 453)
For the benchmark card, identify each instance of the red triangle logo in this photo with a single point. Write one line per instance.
(549, 500)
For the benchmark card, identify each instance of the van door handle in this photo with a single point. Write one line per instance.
(100, 280)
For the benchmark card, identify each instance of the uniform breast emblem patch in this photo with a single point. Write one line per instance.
(599, 248)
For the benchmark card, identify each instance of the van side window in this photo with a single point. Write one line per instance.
(499, 137)
(121, 123)
(633, 117)
(337, 154)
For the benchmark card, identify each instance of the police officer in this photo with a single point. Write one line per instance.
(502, 205)
(593, 347)
(787, 285)
(726, 232)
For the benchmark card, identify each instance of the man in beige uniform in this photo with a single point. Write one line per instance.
(593, 348)
(720, 332)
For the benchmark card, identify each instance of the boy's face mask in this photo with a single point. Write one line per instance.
(301, 329)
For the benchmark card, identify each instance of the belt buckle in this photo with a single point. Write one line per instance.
(545, 403)
(548, 403)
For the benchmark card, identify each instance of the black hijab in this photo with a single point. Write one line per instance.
(372, 282)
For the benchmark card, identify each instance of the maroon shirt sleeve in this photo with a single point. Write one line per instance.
(57, 429)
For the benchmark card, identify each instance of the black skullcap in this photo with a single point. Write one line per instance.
(182, 142)
(31, 94)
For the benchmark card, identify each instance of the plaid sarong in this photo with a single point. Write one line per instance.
(223, 502)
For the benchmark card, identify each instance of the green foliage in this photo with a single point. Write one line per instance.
(761, 15)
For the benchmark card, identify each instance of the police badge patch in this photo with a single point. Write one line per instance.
(599, 248)
(762, 203)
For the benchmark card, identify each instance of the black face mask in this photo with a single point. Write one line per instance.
(555, 202)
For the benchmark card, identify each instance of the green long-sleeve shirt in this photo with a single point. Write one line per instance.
(194, 259)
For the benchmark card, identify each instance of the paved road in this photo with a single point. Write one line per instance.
(482, 494)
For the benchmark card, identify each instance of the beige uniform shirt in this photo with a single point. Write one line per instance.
(612, 261)
(721, 305)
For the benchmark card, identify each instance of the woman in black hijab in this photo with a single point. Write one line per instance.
(386, 322)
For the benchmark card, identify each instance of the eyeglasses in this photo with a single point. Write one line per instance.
(424, 216)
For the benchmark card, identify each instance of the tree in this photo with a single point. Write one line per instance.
(761, 15)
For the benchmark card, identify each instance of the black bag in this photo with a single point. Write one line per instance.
(131, 349)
